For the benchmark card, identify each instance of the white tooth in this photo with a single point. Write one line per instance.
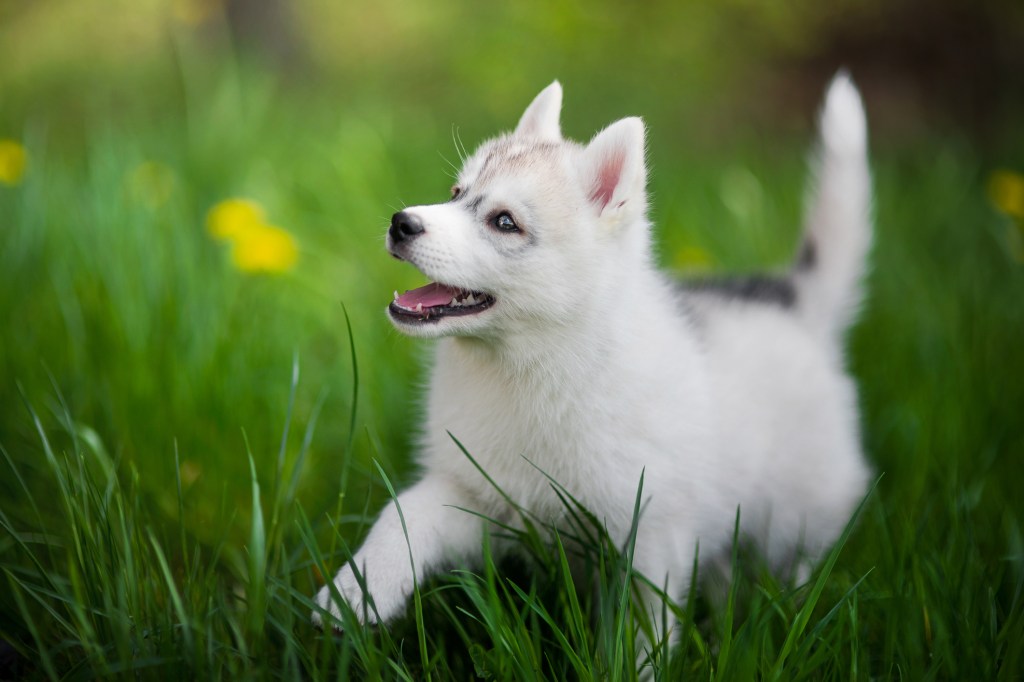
(454, 302)
(396, 295)
(470, 300)
(419, 307)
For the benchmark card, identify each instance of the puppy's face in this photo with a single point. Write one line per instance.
(531, 234)
(507, 252)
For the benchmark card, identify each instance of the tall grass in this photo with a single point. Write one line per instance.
(103, 592)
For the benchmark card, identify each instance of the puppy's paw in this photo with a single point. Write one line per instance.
(386, 601)
(349, 591)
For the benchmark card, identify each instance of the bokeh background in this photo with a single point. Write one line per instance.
(193, 197)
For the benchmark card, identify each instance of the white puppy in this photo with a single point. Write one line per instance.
(564, 351)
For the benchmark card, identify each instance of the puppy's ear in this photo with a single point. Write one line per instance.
(540, 120)
(613, 169)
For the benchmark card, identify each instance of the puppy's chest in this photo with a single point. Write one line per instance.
(524, 441)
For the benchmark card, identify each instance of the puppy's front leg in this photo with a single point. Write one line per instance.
(434, 532)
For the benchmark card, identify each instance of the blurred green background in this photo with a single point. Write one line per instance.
(136, 118)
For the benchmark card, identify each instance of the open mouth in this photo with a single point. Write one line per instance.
(436, 301)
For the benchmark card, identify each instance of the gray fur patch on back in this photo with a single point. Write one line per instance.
(808, 257)
(763, 289)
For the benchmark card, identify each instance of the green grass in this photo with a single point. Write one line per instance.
(189, 450)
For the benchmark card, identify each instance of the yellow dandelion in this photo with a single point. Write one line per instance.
(13, 159)
(255, 245)
(1006, 192)
(232, 218)
(264, 248)
(151, 184)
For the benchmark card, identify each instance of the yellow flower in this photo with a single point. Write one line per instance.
(264, 248)
(255, 245)
(233, 217)
(151, 184)
(1006, 192)
(13, 160)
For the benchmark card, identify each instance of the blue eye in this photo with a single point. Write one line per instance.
(505, 223)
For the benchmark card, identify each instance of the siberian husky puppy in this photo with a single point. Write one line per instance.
(564, 353)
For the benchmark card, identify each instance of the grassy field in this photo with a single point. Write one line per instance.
(195, 434)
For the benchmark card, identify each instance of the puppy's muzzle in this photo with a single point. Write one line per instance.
(405, 226)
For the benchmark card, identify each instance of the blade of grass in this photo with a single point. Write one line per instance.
(624, 615)
(181, 504)
(416, 596)
(578, 665)
(730, 604)
(804, 615)
(172, 590)
(256, 593)
(350, 440)
(29, 619)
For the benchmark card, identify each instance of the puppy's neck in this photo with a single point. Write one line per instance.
(579, 345)
(541, 349)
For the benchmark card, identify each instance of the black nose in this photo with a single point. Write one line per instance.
(404, 225)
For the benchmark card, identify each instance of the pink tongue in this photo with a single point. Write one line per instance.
(430, 295)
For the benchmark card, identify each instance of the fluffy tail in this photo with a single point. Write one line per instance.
(837, 237)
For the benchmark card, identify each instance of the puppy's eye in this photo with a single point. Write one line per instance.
(456, 191)
(504, 222)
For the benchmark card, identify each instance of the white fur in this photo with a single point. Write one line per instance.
(593, 367)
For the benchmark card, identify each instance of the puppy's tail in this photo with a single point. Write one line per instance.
(832, 259)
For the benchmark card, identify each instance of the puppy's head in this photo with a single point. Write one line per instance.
(531, 232)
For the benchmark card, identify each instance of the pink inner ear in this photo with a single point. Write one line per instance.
(608, 176)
